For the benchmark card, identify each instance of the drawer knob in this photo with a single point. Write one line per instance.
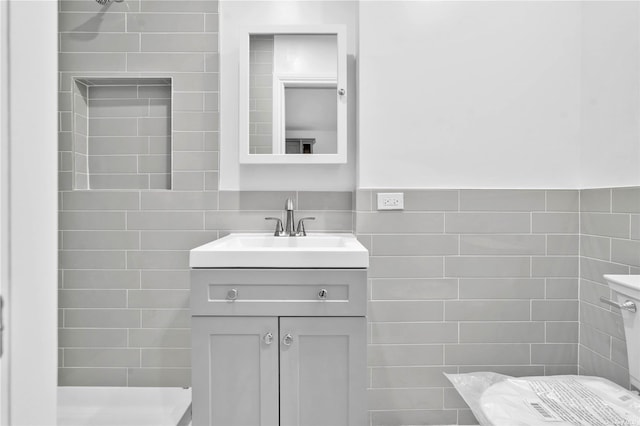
(287, 340)
(268, 338)
(232, 294)
(322, 294)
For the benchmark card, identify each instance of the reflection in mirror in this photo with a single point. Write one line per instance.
(293, 94)
(311, 115)
(260, 93)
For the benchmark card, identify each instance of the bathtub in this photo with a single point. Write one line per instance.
(116, 406)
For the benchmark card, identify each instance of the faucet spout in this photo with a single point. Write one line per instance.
(289, 228)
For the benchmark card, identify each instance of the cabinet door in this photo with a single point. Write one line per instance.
(322, 371)
(235, 371)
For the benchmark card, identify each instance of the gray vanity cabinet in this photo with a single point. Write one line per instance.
(322, 372)
(269, 349)
(234, 380)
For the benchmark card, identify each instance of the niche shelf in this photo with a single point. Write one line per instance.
(122, 133)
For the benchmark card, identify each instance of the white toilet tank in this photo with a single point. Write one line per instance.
(627, 292)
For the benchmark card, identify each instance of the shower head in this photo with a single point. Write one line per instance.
(103, 2)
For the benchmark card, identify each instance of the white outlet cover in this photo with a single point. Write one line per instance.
(391, 201)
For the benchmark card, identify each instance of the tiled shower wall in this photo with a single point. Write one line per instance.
(123, 259)
(467, 280)
(609, 244)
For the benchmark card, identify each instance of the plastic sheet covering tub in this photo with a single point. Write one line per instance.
(500, 400)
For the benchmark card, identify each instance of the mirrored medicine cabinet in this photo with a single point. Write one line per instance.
(293, 95)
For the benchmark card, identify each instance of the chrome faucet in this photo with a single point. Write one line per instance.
(289, 229)
(289, 224)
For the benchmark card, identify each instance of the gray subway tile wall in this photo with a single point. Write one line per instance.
(520, 284)
(125, 276)
(467, 280)
(124, 316)
(460, 281)
(608, 245)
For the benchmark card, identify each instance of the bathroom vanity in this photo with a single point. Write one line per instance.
(280, 342)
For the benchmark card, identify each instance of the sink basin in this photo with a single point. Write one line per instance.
(268, 251)
(628, 285)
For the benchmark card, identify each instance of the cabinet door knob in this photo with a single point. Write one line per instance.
(287, 340)
(268, 338)
(322, 294)
(232, 294)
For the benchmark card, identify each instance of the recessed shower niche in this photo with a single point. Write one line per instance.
(121, 133)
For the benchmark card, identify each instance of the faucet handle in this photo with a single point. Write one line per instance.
(279, 229)
(301, 229)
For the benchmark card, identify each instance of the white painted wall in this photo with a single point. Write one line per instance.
(234, 15)
(469, 94)
(32, 296)
(610, 149)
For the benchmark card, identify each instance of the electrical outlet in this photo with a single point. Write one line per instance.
(391, 201)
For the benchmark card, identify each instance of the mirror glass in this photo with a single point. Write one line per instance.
(310, 120)
(294, 95)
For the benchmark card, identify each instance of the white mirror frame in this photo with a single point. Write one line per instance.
(243, 96)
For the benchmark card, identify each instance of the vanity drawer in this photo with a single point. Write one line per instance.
(281, 292)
